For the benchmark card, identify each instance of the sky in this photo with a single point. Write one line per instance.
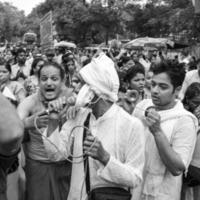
(26, 5)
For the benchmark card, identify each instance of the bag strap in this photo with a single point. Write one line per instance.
(86, 160)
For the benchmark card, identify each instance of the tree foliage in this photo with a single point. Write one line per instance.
(12, 22)
(83, 23)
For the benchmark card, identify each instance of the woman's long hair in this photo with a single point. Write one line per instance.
(34, 64)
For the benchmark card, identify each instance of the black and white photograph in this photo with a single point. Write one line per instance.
(99, 99)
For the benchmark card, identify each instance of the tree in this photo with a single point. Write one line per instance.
(11, 22)
(84, 23)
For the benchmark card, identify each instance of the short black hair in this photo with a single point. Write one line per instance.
(174, 70)
(20, 50)
(133, 71)
(54, 64)
(123, 60)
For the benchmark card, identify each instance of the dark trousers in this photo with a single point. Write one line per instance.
(6, 165)
(47, 181)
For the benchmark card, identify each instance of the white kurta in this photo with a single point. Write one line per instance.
(179, 126)
(121, 135)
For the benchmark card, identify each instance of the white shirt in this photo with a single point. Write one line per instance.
(179, 126)
(121, 135)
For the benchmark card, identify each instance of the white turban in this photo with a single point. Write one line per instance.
(100, 74)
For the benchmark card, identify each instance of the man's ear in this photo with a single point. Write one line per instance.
(177, 91)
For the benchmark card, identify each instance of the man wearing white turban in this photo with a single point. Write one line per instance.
(114, 143)
(102, 77)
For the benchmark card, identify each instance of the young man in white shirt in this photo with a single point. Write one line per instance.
(170, 134)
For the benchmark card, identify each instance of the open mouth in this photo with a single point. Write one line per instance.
(49, 90)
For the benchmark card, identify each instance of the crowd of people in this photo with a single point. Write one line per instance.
(98, 125)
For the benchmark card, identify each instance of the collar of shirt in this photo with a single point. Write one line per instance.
(108, 114)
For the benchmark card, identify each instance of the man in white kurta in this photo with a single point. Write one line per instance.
(179, 128)
(118, 135)
(170, 133)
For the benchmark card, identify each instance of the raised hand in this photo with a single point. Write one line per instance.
(153, 121)
(58, 104)
(72, 112)
(61, 105)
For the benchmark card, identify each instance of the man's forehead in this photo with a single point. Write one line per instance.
(162, 78)
(50, 70)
